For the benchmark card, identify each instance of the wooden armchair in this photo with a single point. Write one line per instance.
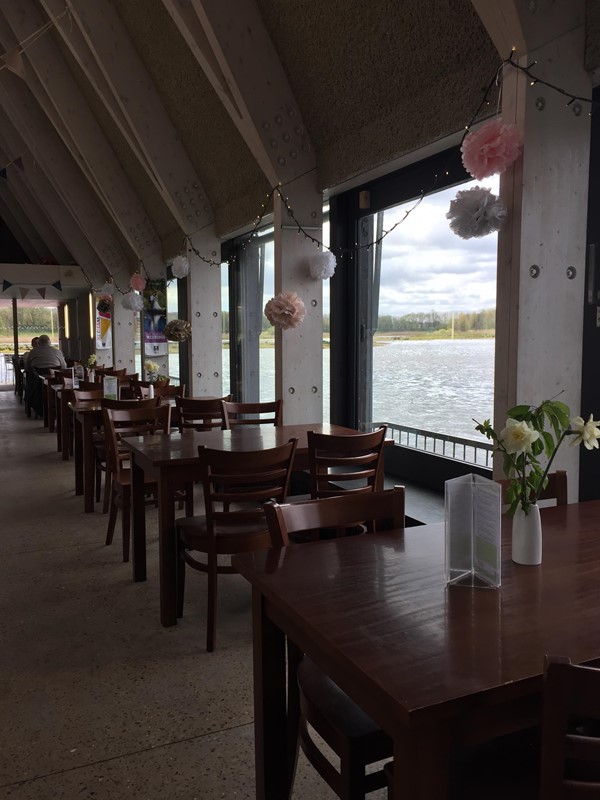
(200, 414)
(252, 413)
(342, 464)
(349, 732)
(133, 421)
(236, 484)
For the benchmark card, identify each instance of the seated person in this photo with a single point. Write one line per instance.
(34, 344)
(39, 361)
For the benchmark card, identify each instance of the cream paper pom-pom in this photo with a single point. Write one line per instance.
(180, 266)
(476, 212)
(108, 288)
(287, 310)
(132, 301)
(322, 265)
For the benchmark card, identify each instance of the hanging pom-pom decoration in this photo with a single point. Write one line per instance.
(491, 148)
(180, 266)
(107, 289)
(178, 330)
(103, 305)
(137, 282)
(285, 311)
(322, 265)
(476, 212)
(132, 301)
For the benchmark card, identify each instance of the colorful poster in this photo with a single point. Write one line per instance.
(103, 325)
(155, 318)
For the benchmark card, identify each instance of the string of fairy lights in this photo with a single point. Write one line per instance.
(351, 251)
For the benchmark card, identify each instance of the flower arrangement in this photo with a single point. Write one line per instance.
(178, 330)
(287, 310)
(90, 361)
(525, 438)
(151, 367)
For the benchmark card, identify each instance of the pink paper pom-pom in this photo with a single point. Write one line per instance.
(137, 282)
(491, 149)
(287, 310)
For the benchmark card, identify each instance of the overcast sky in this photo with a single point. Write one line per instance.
(424, 265)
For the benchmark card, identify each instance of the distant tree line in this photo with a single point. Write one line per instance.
(427, 321)
(30, 318)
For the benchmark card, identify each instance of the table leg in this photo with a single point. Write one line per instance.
(78, 454)
(421, 764)
(270, 722)
(65, 430)
(51, 405)
(167, 549)
(44, 399)
(138, 511)
(88, 466)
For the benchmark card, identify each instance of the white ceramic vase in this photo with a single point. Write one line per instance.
(527, 536)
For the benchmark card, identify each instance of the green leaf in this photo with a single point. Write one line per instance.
(548, 443)
(519, 412)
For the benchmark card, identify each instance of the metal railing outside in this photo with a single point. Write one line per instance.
(470, 451)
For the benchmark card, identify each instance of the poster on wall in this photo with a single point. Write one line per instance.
(155, 318)
(103, 325)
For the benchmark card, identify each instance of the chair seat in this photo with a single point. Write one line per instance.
(194, 535)
(340, 711)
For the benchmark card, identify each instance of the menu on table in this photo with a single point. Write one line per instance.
(473, 531)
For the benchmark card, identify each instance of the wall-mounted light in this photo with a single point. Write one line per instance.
(67, 323)
(92, 316)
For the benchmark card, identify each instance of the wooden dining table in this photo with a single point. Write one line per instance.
(173, 462)
(434, 666)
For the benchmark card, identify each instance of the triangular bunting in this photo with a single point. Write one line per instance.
(58, 286)
(6, 285)
(23, 292)
(42, 292)
(18, 162)
(14, 62)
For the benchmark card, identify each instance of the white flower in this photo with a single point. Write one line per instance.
(517, 437)
(151, 366)
(587, 432)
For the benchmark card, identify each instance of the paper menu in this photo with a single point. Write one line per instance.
(111, 387)
(473, 531)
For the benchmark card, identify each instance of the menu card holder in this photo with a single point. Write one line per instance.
(111, 387)
(473, 531)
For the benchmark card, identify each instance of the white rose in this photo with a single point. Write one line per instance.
(517, 437)
(587, 432)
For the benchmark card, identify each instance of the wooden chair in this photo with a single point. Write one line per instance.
(349, 732)
(114, 373)
(170, 391)
(235, 487)
(252, 413)
(133, 421)
(557, 488)
(342, 464)
(140, 388)
(88, 394)
(200, 414)
(570, 762)
(90, 386)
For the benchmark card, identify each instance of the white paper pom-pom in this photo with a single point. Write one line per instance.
(108, 288)
(476, 212)
(133, 302)
(322, 265)
(180, 266)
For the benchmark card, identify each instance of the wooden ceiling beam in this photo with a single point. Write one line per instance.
(133, 90)
(56, 90)
(234, 49)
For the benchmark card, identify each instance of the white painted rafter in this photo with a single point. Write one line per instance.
(234, 49)
(139, 102)
(56, 90)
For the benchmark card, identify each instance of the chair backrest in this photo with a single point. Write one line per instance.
(376, 510)
(170, 391)
(236, 486)
(88, 394)
(140, 388)
(136, 420)
(115, 405)
(570, 764)
(200, 414)
(556, 488)
(115, 373)
(90, 386)
(252, 413)
(341, 464)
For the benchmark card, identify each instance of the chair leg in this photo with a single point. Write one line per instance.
(126, 522)
(112, 519)
(211, 616)
(180, 577)
(107, 490)
(98, 478)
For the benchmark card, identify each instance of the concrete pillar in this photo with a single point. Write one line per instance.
(299, 351)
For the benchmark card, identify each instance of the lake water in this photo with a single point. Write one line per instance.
(436, 385)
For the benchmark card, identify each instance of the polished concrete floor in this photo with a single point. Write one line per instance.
(97, 700)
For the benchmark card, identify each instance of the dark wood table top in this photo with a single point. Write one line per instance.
(374, 611)
(183, 447)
